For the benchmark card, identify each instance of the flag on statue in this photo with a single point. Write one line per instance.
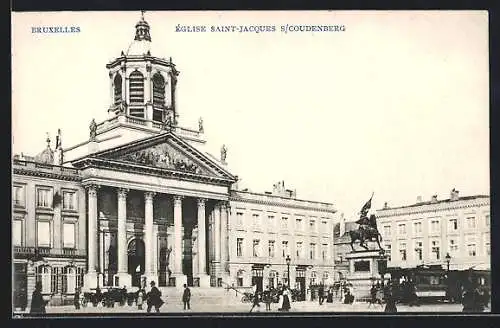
(366, 207)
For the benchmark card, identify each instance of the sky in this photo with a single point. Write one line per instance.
(396, 104)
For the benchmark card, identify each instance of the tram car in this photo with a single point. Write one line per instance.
(430, 282)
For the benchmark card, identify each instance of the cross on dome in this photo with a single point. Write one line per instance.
(142, 29)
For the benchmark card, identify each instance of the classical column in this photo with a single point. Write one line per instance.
(217, 240)
(124, 277)
(180, 279)
(224, 236)
(90, 278)
(149, 237)
(202, 256)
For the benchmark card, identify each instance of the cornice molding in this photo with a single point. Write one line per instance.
(281, 204)
(409, 211)
(44, 174)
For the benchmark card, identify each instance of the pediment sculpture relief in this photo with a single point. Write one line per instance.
(162, 156)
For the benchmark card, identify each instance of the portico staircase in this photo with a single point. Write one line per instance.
(203, 295)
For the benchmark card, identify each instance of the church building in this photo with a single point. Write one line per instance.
(142, 200)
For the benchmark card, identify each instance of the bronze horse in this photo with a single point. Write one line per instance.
(362, 234)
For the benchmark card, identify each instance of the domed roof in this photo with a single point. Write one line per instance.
(142, 40)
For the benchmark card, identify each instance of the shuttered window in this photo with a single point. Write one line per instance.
(136, 87)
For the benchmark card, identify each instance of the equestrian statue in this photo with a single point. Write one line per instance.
(367, 230)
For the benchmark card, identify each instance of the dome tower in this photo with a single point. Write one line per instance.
(142, 86)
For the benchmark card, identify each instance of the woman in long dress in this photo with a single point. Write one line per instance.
(37, 301)
(286, 300)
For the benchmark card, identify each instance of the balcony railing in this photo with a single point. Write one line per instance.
(47, 251)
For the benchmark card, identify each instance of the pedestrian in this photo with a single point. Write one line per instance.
(140, 298)
(256, 301)
(472, 299)
(286, 300)
(76, 299)
(37, 301)
(390, 300)
(154, 298)
(267, 297)
(186, 297)
(321, 291)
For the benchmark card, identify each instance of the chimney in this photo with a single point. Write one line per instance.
(434, 199)
(419, 199)
(454, 195)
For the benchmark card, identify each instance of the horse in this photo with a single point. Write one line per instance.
(365, 234)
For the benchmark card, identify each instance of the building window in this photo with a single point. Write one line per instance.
(72, 279)
(326, 275)
(17, 232)
(298, 250)
(487, 247)
(434, 226)
(270, 219)
(158, 91)
(402, 251)
(69, 235)
(312, 225)
(18, 196)
(256, 221)
(43, 275)
(239, 218)
(418, 250)
(435, 253)
(452, 225)
(388, 248)
(117, 86)
(487, 220)
(471, 246)
(471, 222)
(312, 251)
(298, 224)
(271, 248)
(314, 276)
(417, 228)
(324, 251)
(239, 247)
(324, 225)
(402, 229)
(284, 222)
(44, 197)
(136, 83)
(69, 200)
(387, 231)
(284, 248)
(453, 247)
(256, 243)
(44, 234)
(239, 280)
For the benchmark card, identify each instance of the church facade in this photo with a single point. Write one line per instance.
(141, 200)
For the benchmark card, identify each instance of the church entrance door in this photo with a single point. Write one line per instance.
(136, 260)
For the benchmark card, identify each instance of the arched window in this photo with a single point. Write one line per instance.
(158, 97)
(136, 82)
(43, 275)
(117, 84)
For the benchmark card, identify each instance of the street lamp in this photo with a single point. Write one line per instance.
(288, 260)
(382, 264)
(448, 259)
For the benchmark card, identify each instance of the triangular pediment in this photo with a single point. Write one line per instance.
(165, 152)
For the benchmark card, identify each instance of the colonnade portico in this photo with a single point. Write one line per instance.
(123, 276)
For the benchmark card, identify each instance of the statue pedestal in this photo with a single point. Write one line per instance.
(363, 271)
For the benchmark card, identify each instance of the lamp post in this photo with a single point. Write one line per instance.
(382, 264)
(448, 259)
(288, 260)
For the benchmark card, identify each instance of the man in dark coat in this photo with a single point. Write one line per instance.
(321, 292)
(76, 299)
(37, 301)
(186, 297)
(154, 298)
